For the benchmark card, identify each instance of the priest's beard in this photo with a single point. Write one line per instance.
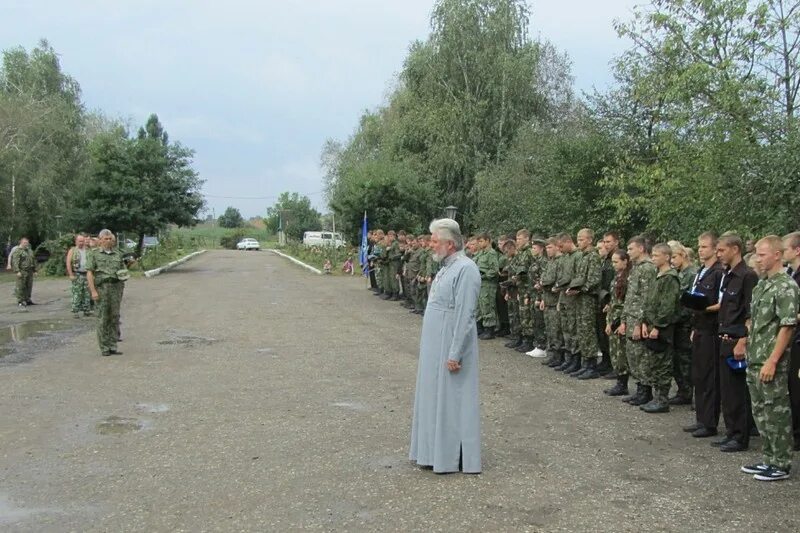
(436, 257)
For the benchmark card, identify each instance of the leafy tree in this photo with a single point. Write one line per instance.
(294, 214)
(231, 218)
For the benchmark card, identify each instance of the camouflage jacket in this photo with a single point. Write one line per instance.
(535, 271)
(519, 267)
(616, 306)
(104, 265)
(566, 272)
(394, 254)
(662, 305)
(413, 262)
(487, 261)
(774, 305)
(23, 260)
(588, 272)
(548, 281)
(641, 278)
(607, 277)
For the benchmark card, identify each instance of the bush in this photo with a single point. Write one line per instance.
(230, 240)
(56, 250)
(316, 255)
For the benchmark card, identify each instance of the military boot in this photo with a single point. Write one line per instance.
(526, 346)
(635, 395)
(578, 371)
(566, 364)
(682, 397)
(590, 372)
(604, 367)
(575, 364)
(659, 404)
(551, 355)
(621, 388)
(480, 327)
(488, 334)
(558, 360)
(514, 342)
(646, 397)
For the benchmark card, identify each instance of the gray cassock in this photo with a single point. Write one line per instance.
(447, 406)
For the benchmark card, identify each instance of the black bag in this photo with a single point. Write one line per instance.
(695, 300)
(736, 331)
(657, 345)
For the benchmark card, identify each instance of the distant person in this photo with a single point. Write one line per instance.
(76, 271)
(327, 266)
(106, 275)
(445, 432)
(23, 263)
(347, 267)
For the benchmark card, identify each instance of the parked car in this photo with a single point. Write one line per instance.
(150, 242)
(129, 244)
(248, 244)
(323, 238)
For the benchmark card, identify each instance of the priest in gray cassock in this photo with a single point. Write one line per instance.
(446, 431)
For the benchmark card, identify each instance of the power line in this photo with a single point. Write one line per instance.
(257, 197)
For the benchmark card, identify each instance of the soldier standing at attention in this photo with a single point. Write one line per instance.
(587, 281)
(791, 255)
(503, 323)
(106, 275)
(510, 296)
(682, 344)
(661, 311)
(773, 316)
(539, 333)
(608, 274)
(487, 262)
(394, 258)
(76, 271)
(23, 263)
(568, 303)
(640, 281)
(549, 305)
(614, 321)
(521, 271)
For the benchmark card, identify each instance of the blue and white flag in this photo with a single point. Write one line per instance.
(364, 260)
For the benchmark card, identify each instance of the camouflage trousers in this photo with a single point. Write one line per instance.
(379, 277)
(772, 413)
(513, 314)
(525, 316)
(108, 315)
(24, 286)
(656, 367)
(619, 357)
(568, 318)
(555, 340)
(391, 278)
(682, 359)
(487, 305)
(81, 299)
(539, 328)
(420, 295)
(635, 353)
(587, 326)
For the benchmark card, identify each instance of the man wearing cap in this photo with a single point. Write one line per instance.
(735, 291)
(106, 274)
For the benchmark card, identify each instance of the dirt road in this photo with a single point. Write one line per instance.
(255, 396)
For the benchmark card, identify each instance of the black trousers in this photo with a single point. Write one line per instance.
(734, 398)
(794, 389)
(373, 283)
(705, 377)
(502, 310)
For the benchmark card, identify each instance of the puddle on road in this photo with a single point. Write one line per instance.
(16, 333)
(152, 407)
(117, 425)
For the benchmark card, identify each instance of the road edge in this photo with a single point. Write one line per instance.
(156, 271)
(295, 261)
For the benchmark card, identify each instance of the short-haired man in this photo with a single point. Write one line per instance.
(106, 276)
(736, 291)
(23, 263)
(610, 244)
(791, 255)
(586, 282)
(76, 271)
(772, 321)
(549, 305)
(487, 261)
(568, 303)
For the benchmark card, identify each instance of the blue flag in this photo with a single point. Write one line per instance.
(364, 247)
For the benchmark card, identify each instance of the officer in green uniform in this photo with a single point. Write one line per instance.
(587, 281)
(76, 271)
(614, 320)
(393, 262)
(107, 273)
(510, 294)
(487, 261)
(410, 271)
(568, 302)
(555, 339)
(773, 316)
(23, 264)
(421, 295)
(520, 270)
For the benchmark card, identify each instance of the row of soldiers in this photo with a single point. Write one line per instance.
(723, 330)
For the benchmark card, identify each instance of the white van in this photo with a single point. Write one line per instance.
(323, 238)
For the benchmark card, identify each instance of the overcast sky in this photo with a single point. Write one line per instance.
(255, 88)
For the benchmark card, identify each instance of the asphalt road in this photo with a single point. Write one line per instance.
(255, 396)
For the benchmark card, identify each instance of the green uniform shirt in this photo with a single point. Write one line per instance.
(588, 273)
(607, 277)
(566, 270)
(662, 306)
(413, 264)
(104, 265)
(773, 306)
(549, 277)
(519, 266)
(535, 271)
(487, 261)
(23, 260)
(616, 306)
(641, 278)
(394, 254)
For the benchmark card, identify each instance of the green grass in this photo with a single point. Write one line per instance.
(316, 256)
(209, 237)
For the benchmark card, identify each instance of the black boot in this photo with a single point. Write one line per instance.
(611, 375)
(514, 342)
(590, 372)
(566, 364)
(503, 332)
(682, 397)
(620, 389)
(646, 397)
(551, 355)
(487, 335)
(635, 395)
(480, 328)
(574, 365)
(558, 360)
(526, 346)
(604, 367)
(659, 403)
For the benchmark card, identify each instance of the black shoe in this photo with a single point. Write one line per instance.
(578, 369)
(394, 298)
(557, 361)
(620, 389)
(645, 397)
(605, 365)
(514, 342)
(502, 332)
(732, 446)
(526, 345)
(115, 352)
(773, 473)
(386, 296)
(480, 328)
(635, 395)
(487, 334)
(566, 364)
(694, 427)
(704, 432)
(755, 469)
(105, 354)
(721, 441)
(679, 400)
(30, 303)
(611, 375)
(590, 372)
(574, 365)
(655, 407)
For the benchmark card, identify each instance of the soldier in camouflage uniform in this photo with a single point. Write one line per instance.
(610, 246)
(587, 281)
(410, 271)
(568, 303)
(640, 281)
(773, 316)
(519, 272)
(503, 321)
(487, 261)
(555, 339)
(539, 336)
(378, 252)
(682, 345)
(105, 272)
(511, 293)
(393, 265)
(421, 295)
(661, 311)
(616, 311)
(23, 264)
(76, 271)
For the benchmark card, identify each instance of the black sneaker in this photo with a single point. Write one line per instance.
(755, 469)
(772, 473)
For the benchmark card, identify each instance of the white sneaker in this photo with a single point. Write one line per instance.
(538, 353)
(532, 352)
